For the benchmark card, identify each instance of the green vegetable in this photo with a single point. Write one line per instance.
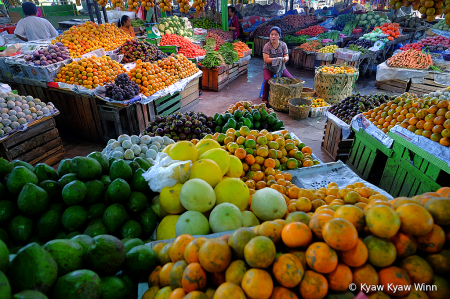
(229, 54)
(295, 39)
(211, 59)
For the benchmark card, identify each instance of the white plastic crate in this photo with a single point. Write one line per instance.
(318, 111)
(347, 55)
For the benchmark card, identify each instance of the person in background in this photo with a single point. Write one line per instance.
(305, 10)
(273, 49)
(240, 20)
(32, 27)
(125, 25)
(325, 12)
(233, 23)
(311, 11)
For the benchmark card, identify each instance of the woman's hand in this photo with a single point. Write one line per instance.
(267, 58)
(232, 28)
(286, 58)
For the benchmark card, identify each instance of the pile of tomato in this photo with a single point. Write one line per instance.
(312, 31)
(187, 48)
(391, 29)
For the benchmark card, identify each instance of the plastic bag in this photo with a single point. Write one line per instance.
(166, 172)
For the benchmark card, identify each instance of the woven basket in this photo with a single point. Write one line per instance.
(296, 112)
(333, 88)
(282, 90)
(307, 92)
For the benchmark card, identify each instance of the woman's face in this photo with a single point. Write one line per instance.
(274, 36)
(127, 23)
(230, 13)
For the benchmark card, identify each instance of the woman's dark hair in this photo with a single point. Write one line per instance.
(277, 29)
(29, 9)
(325, 8)
(311, 10)
(232, 8)
(123, 20)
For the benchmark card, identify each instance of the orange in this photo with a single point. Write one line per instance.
(306, 150)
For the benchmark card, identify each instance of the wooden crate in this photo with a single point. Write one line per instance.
(368, 157)
(243, 67)
(78, 114)
(309, 60)
(215, 79)
(393, 85)
(190, 94)
(259, 45)
(233, 73)
(427, 86)
(297, 57)
(411, 170)
(333, 145)
(353, 64)
(40, 143)
(119, 120)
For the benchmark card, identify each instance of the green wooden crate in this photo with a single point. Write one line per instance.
(169, 49)
(168, 104)
(411, 170)
(367, 157)
(154, 41)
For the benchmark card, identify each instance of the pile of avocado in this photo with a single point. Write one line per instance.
(255, 119)
(70, 233)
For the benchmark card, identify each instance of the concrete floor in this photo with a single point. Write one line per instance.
(247, 88)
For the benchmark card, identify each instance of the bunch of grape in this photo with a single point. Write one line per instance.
(122, 88)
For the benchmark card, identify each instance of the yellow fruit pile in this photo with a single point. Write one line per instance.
(329, 49)
(184, 5)
(148, 4)
(428, 8)
(89, 36)
(199, 5)
(90, 72)
(165, 5)
(118, 3)
(248, 106)
(336, 70)
(133, 5)
(318, 102)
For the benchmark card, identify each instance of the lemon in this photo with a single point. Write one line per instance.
(170, 199)
(205, 145)
(166, 149)
(183, 151)
(220, 156)
(206, 170)
(233, 191)
(166, 228)
(235, 170)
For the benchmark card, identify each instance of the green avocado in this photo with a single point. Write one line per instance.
(48, 225)
(106, 180)
(65, 167)
(67, 178)
(114, 288)
(4, 191)
(18, 178)
(134, 166)
(4, 237)
(220, 120)
(67, 254)
(84, 241)
(114, 217)
(96, 229)
(147, 219)
(72, 235)
(5, 287)
(120, 170)
(119, 190)
(102, 159)
(96, 211)
(58, 207)
(264, 114)
(143, 163)
(141, 260)
(271, 120)
(130, 244)
(131, 285)
(80, 284)
(74, 218)
(74, 193)
(231, 123)
(45, 172)
(138, 183)
(106, 255)
(4, 257)
(237, 113)
(8, 210)
(86, 168)
(5, 167)
(16, 163)
(29, 294)
(20, 229)
(95, 191)
(33, 200)
(131, 229)
(111, 161)
(256, 115)
(33, 268)
(137, 202)
(53, 190)
(60, 234)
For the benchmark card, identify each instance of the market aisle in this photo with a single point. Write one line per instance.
(247, 88)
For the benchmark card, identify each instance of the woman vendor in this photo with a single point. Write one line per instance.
(125, 25)
(272, 51)
(233, 23)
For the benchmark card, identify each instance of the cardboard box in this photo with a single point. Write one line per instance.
(15, 16)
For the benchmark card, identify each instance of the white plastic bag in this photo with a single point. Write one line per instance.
(166, 172)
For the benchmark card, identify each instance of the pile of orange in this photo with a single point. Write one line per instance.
(152, 77)
(90, 72)
(336, 70)
(165, 5)
(85, 38)
(118, 3)
(398, 245)
(428, 117)
(199, 5)
(133, 5)
(249, 106)
(264, 152)
(184, 5)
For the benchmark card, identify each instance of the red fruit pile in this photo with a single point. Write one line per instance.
(312, 31)
(219, 40)
(187, 48)
(436, 41)
(416, 46)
